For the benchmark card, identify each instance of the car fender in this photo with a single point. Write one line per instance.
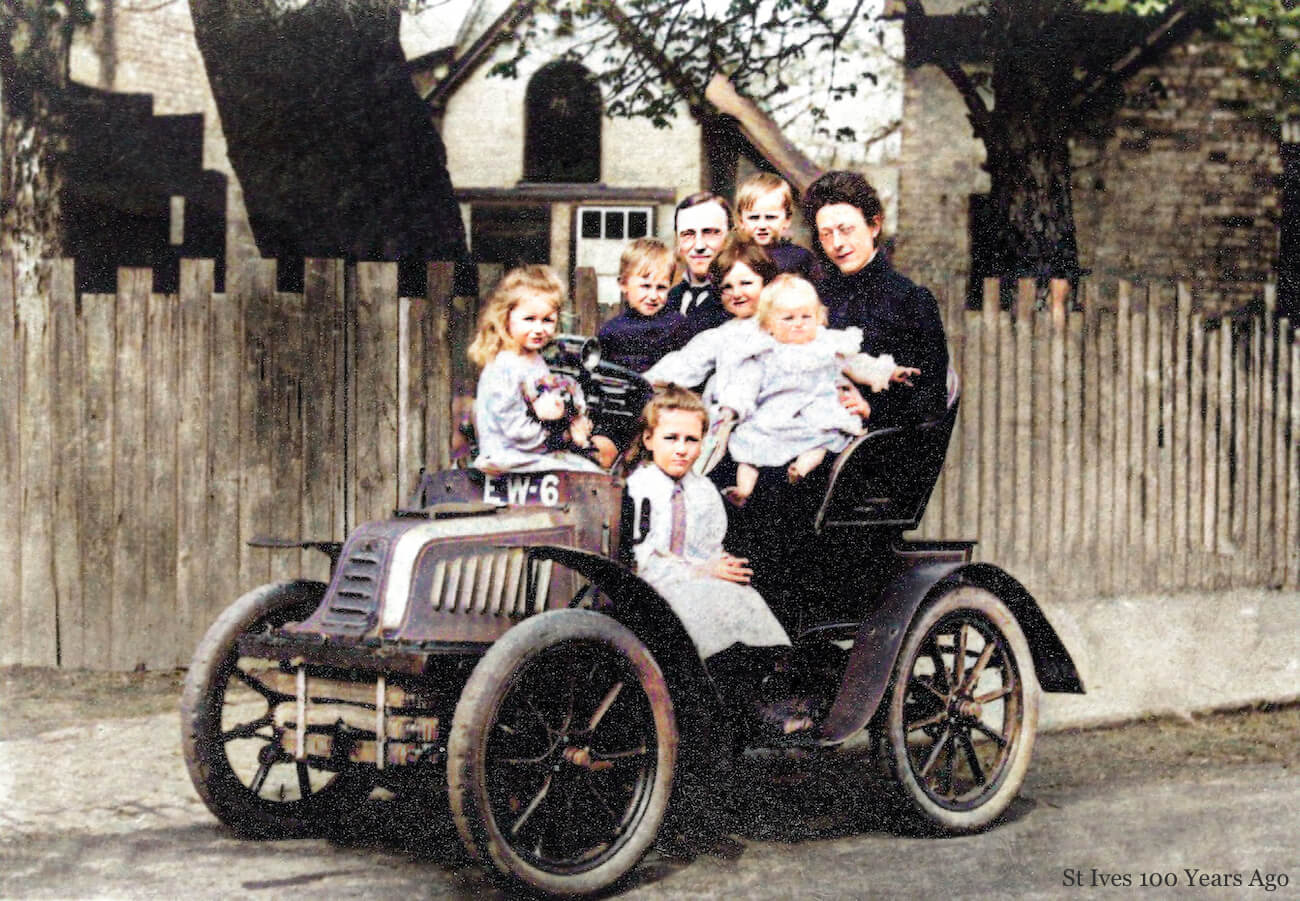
(636, 605)
(880, 636)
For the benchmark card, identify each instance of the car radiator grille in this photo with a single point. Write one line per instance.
(499, 583)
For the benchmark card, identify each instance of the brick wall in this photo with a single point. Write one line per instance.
(1185, 188)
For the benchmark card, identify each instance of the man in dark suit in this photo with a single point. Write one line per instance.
(701, 221)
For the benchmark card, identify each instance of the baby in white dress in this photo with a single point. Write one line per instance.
(783, 391)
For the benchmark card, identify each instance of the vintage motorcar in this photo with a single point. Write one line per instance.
(492, 633)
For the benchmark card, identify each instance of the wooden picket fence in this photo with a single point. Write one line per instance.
(145, 437)
(1131, 446)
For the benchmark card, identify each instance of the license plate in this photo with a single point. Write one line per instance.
(540, 489)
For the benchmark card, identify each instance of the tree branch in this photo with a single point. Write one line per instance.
(975, 106)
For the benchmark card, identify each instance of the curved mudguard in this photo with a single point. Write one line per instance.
(639, 607)
(880, 636)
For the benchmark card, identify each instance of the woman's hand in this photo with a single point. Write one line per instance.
(731, 569)
(852, 400)
(903, 375)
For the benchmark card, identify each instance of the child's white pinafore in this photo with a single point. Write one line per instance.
(715, 613)
(510, 439)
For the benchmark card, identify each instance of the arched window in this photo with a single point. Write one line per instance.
(562, 125)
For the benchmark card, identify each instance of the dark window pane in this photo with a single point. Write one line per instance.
(614, 225)
(590, 224)
(511, 235)
(638, 225)
(562, 125)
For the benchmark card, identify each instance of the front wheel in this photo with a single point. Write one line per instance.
(230, 735)
(561, 754)
(962, 711)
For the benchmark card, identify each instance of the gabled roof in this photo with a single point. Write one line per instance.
(482, 44)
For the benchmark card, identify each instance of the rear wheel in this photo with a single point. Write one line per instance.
(561, 754)
(959, 728)
(229, 733)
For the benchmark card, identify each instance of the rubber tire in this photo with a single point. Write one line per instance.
(488, 686)
(202, 700)
(918, 808)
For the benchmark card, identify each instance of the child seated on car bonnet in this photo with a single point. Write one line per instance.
(528, 419)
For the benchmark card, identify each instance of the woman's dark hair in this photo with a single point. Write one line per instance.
(737, 249)
(841, 187)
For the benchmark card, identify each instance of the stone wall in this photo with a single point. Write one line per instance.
(1184, 187)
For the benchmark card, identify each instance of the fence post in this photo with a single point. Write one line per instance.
(586, 304)
(441, 278)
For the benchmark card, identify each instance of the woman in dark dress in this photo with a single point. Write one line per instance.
(897, 317)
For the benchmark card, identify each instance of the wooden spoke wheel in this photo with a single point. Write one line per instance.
(230, 737)
(962, 712)
(561, 754)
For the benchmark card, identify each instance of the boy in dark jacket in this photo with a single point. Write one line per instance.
(764, 212)
(645, 330)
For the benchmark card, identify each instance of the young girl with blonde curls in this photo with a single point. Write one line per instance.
(520, 407)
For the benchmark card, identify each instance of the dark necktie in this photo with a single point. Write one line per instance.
(692, 298)
(677, 533)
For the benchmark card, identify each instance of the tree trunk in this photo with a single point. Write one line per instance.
(1026, 139)
(336, 152)
(1030, 206)
(32, 141)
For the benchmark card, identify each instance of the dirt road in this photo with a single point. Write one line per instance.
(94, 802)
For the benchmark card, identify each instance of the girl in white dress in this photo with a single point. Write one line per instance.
(679, 522)
(783, 390)
(740, 270)
(514, 414)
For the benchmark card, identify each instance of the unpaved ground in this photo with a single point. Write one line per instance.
(95, 802)
(35, 701)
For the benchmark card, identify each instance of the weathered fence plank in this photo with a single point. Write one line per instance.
(193, 342)
(66, 476)
(1227, 422)
(1151, 467)
(438, 353)
(1282, 421)
(256, 441)
(284, 373)
(1136, 531)
(39, 617)
(994, 472)
(1119, 474)
(1177, 435)
(1196, 451)
(323, 401)
(1293, 476)
(98, 348)
(1072, 531)
(972, 399)
(130, 642)
(157, 520)
(1089, 462)
(375, 390)
(225, 386)
(11, 481)
(1057, 447)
